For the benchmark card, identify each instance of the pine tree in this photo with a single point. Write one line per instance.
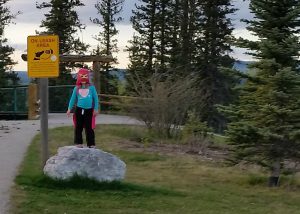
(174, 28)
(190, 9)
(166, 19)
(63, 20)
(266, 120)
(143, 45)
(136, 67)
(211, 57)
(108, 11)
(6, 62)
(155, 47)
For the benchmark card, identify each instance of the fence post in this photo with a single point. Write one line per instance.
(15, 101)
(32, 102)
(96, 77)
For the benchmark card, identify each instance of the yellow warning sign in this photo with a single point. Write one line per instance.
(43, 56)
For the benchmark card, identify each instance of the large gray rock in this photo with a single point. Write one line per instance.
(85, 162)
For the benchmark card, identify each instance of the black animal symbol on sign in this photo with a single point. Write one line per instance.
(46, 54)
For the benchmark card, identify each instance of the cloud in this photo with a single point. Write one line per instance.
(29, 12)
(17, 34)
(242, 12)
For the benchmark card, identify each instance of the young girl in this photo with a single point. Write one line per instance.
(85, 98)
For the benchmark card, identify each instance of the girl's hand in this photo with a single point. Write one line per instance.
(69, 113)
(95, 112)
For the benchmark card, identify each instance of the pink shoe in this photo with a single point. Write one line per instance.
(79, 145)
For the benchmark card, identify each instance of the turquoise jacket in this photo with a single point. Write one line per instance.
(86, 98)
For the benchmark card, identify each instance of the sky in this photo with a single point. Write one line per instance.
(30, 19)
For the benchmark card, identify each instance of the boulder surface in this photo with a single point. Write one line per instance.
(85, 162)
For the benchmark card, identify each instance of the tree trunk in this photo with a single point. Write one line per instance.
(275, 173)
(96, 77)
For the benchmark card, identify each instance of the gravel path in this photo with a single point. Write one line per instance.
(15, 136)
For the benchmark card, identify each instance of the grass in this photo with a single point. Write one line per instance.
(154, 183)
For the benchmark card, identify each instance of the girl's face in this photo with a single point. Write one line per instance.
(84, 78)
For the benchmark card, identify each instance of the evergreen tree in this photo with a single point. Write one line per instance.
(136, 66)
(109, 11)
(155, 46)
(143, 48)
(266, 120)
(190, 10)
(6, 62)
(213, 46)
(174, 27)
(63, 20)
(163, 31)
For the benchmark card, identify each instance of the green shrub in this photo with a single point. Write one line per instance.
(257, 179)
(196, 134)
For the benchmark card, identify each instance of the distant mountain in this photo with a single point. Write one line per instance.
(120, 73)
(241, 66)
(24, 79)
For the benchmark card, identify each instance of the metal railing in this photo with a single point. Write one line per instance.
(14, 100)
